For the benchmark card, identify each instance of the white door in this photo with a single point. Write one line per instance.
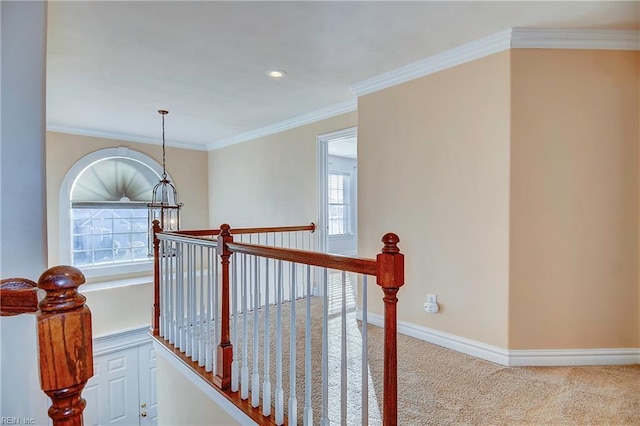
(148, 399)
(112, 392)
(122, 390)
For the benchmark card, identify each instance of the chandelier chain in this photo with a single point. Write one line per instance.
(164, 171)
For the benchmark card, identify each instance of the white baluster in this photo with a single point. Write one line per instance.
(193, 308)
(266, 386)
(209, 311)
(251, 289)
(260, 291)
(293, 398)
(180, 300)
(279, 391)
(172, 289)
(365, 356)
(189, 309)
(343, 353)
(324, 420)
(244, 372)
(255, 378)
(308, 410)
(201, 317)
(234, 334)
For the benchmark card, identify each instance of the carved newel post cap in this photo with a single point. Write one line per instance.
(390, 241)
(225, 229)
(156, 225)
(61, 284)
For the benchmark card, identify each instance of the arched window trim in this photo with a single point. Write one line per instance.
(65, 210)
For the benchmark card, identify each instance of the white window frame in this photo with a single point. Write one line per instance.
(347, 202)
(65, 211)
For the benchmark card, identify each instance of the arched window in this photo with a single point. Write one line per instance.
(104, 224)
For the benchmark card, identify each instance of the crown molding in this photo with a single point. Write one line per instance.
(542, 38)
(280, 126)
(123, 137)
(514, 38)
(467, 52)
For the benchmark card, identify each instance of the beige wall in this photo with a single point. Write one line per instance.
(125, 307)
(574, 199)
(180, 402)
(433, 166)
(270, 181)
(120, 308)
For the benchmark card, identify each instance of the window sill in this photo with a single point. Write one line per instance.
(116, 283)
(117, 270)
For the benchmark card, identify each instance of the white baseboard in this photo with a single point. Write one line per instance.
(566, 357)
(450, 341)
(513, 358)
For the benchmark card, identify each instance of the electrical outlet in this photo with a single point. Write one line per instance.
(432, 308)
(432, 298)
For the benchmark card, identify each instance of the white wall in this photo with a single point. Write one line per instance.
(22, 220)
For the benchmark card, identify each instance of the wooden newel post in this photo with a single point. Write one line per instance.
(64, 344)
(222, 379)
(390, 276)
(155, 316)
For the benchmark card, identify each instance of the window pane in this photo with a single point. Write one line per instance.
(338, 197)
(103, 236)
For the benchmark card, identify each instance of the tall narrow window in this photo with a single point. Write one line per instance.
(339, 204)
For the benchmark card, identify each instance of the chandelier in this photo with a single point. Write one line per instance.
(164, 205)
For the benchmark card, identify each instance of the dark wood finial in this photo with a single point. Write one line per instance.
(18, 296)
(225, 230)
(156, 226)
(390, 241)
(61, 284)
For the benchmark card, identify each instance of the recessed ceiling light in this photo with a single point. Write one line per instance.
(276, 73)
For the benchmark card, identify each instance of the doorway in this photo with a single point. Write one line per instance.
(338, 192)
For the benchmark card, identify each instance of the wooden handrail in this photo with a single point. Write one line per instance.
(237, 231)
(64, 337)
(18, 296)
(311, 228)
(324, 260)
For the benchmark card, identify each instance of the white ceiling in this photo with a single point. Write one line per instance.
(111, 65)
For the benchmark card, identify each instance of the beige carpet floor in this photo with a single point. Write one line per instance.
(438, 386)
